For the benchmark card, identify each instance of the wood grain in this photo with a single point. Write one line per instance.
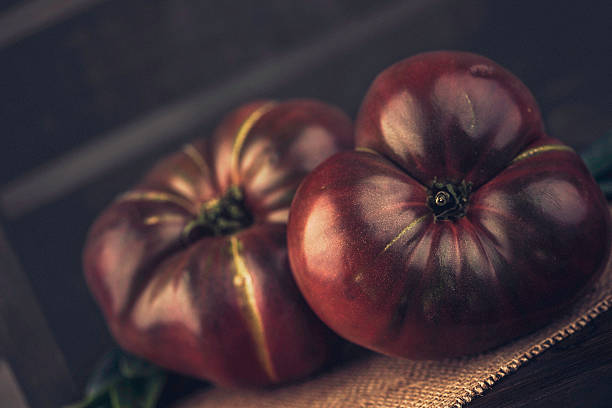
(25, 339)
(575, 373)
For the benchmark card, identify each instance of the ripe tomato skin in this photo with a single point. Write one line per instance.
(385, 268)
(450, 115)
(190, 267)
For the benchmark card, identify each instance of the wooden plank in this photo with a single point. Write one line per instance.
(10, 393)
(28, 17)
(119, 61)
(107, 151)
(576, 373)
(26, 341)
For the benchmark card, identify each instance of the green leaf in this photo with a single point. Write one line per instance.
(132, 367)
(598, 156)
(98, 401)
(121, 380)
(115, 400)
(606, 187)
(153, 390)
(105, 374)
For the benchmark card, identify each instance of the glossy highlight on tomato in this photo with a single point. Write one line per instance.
(456, 225)
(190, 267)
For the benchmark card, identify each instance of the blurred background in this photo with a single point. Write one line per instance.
(92, 92)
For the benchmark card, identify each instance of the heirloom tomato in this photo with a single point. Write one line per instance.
(456, 224)
(190, 267)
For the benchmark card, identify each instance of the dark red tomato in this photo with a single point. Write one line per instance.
(456, 225)
(190, 267)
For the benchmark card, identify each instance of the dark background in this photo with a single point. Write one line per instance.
(92, 92)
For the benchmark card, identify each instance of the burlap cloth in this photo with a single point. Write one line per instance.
(379, 381)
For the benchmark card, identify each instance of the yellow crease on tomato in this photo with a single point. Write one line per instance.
(472, 113)
(542, 149)
(241, 135)
(197, 158)
(157, 196)
(403, 232)
(160, 218)
(246, 290)
(367, 150)
(182, 183)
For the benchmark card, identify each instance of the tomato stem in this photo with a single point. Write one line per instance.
(448, 201)
(220, 216)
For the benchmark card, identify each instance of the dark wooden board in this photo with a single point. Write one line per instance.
(84, 76)
(576, 373)
(25, 339)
